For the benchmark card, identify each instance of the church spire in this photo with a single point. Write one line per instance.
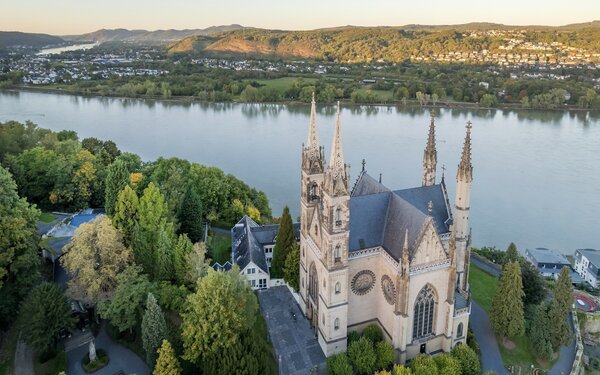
(430, 155)
(336, 180)
(465, 168)
(313, 135)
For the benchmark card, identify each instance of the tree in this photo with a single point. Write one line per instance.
(197, 264)
(423, 365)
(291, 269)
(385, 354)
(512, 254)
(116, 180)
(153, 223)
(362, 355)
(468, 359)
(559, 308)
(283, 243)
(447, 364)
(167, 363)
(373, 333)
(189, 215)
(154, 329)
(533, 283)
(506, 314)
(126, 211)
(223, 309)
(93, 259)
(19, 260)
(126, 306)
(165, 256)
(339, 365)
(540, 332)
(183, 247)
(44, 312)
(401, 370)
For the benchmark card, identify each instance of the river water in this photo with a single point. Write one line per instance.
(59, 50)
(536, 174)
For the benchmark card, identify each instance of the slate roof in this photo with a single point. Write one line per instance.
(248, 239)
(380, 217)
(548, 256)
(593, 256)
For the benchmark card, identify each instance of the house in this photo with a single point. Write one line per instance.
(587, 265)
(549, 262)
(252, 250)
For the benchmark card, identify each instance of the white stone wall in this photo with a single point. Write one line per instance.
(256, 277)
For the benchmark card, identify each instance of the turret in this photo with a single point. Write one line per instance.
(336, 177)
(464, 179)
(430, 155)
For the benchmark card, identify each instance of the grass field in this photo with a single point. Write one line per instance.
(382, 95)
(483, 287)
(282, 84)
(47, 217)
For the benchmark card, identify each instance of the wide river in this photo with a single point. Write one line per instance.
(536, 174)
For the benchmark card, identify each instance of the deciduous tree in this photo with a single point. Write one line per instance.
(385, 354)
(506, 314)
(339, 365)
(468, 359)
(93, 259)
(126, 211)
(447, 364)
(362, 355)
(423, 365)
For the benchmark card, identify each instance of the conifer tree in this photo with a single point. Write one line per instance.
(283, 243)
(125, 217)
(163, 265)
(154, 329)
(559, 308)
(540, 332)
(506, 314)
(190, 215)
(167, 363)
(116, 179)
(291, 270)
(512, 254)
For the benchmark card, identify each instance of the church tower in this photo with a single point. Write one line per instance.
(462, 231)
(335, 229)
(430, 155)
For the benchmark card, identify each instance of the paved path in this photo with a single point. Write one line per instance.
(121, 358)
(490, 353)
(295, 344)
(566, 357)
(23, 359)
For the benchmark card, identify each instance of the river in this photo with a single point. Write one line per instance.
(536, 174)
(59, 50)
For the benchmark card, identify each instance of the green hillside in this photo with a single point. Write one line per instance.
(15, 38)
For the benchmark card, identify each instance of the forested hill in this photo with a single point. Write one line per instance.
(15, 38)
(360, 44)
(145, 36)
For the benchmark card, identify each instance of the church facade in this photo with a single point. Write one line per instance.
(395, 258)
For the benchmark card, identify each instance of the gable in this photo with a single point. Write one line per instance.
(429, 247)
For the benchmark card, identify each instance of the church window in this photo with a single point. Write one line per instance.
(323, 319)
(338, 288)
(424, 313)
(316, 230)
(313, 191)
(338, 217)
(459, 330)
(336, 324)
(337, 254)
(324, 284)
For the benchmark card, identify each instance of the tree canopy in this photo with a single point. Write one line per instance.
(507, 315)
(283, 243)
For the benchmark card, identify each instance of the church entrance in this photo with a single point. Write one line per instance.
(313, 297)
(423, 349)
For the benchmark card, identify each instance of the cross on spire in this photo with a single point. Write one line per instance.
(363, 164)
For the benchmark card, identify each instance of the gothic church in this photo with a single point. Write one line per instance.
(396, 258)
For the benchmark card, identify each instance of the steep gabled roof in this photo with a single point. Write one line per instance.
(245, 248)
(380, 217)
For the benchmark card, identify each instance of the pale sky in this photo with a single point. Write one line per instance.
(62, 17)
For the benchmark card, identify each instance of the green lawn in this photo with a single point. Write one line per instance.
(219, 247)
(483, 287)
(282, 84)
(382, 95)
(47, 217)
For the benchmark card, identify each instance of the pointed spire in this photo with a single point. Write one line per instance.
(313, 134)
(336, 160)
(465, 168)
(430, 155)
(405, 258)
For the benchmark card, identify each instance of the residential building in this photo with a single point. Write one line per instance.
(587, 265)
(549, 262)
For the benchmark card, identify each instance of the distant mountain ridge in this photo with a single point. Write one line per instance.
(145, 36)
(16, 38)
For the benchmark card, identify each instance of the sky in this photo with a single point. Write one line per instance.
(63, 17)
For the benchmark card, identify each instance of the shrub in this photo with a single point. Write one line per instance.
(100, 362)
(373, 333)
(339, 365)
(385, 354)
(469, 362)
(362, 355)
(423, 365)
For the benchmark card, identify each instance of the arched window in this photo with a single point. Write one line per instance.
(424, 313)
(338, 216)
(338, 288)
(313, 191)
(336, 324)
(337, 254)
(323, 318)
(459, 331)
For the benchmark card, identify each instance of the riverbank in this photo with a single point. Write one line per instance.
(411, 103)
